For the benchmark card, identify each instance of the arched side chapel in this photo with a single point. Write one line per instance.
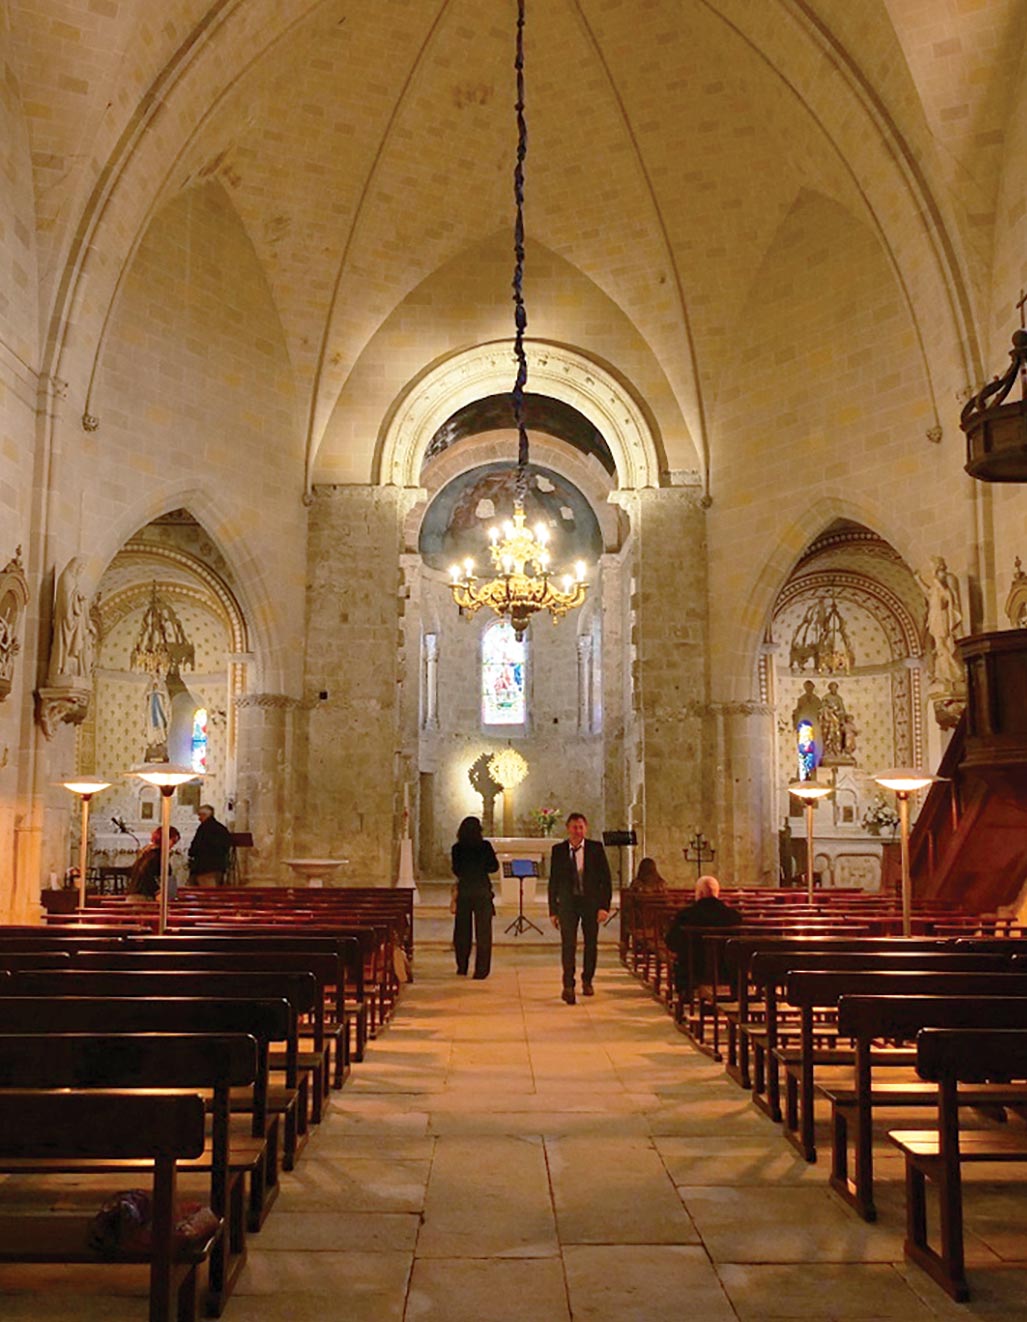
(769, 319)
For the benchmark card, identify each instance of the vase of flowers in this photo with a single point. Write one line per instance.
(545, 819)
(880, 816)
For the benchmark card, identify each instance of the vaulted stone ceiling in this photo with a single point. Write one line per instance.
(365, 145)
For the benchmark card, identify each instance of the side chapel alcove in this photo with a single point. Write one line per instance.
(169, 577)
(843, 667)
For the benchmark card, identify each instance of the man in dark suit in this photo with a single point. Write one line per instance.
(580, 891)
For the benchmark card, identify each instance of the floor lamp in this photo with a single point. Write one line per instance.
(85, 787)
(809, 792)
(166, 778)
(903, 781)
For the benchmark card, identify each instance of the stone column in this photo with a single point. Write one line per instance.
(669, 634)
(743, 825)
(355, 658)
(265, 783)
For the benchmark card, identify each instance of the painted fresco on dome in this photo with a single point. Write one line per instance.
(456, 523)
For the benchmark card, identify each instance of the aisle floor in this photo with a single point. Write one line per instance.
(502, 1156)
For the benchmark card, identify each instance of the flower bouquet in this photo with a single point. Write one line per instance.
(880, 816)
(545, 819)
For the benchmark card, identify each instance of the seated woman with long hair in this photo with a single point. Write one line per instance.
(648, 879)
(473, 859)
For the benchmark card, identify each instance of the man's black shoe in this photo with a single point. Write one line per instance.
(587, 989)
(568, 995)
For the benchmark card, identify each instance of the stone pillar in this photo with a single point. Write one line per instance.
(669, 636)
(743, 826)
(355, 667)
(265, 783)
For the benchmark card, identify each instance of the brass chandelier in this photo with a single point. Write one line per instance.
(520, 556)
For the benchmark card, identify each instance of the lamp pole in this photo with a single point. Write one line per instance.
(165, 777)
(809, 792)
(85, 787)
(904, 781)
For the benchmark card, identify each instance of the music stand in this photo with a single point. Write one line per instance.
(240, 840)
(622, 840)
(521, 868)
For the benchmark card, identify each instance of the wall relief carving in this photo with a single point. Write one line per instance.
(14, 597)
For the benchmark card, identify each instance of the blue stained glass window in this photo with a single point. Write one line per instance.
(807, 750)
(503, 697)
(199, 740)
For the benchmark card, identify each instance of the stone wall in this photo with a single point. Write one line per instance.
(345, 797)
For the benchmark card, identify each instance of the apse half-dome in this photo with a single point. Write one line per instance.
(457, 521)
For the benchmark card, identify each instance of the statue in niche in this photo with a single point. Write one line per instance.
(944, 616)
(837, 727)
(808, 708)
(158, 718)
(72, 642)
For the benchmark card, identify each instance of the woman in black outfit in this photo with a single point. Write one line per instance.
(473, 860)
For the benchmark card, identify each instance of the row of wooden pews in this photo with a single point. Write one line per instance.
(194, 1063)
(823, 1004)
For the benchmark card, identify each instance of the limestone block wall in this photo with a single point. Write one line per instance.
(670, 672)
(347, 761)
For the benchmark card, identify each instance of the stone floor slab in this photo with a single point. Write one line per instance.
(869, 1292)
(611, 1283)
(488, 1200)
(493, 1290)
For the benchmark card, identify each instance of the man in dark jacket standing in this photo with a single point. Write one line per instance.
(580, 891)
(208, 853)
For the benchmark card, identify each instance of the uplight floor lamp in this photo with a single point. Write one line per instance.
(904, 781)
(167, 778)
(809, 792)
(85, 787)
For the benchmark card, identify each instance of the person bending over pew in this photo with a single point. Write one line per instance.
(144, 879)
(708, 910)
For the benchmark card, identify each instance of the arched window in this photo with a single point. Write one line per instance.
(503, 692)
(199, 740)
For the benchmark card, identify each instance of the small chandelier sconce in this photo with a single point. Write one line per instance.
(821, 640)
(520, 557)
(162, 646)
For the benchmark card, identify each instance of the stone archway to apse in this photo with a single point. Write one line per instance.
(173, 555)
(874, 713)
(622, 457)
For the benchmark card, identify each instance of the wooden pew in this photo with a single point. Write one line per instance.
(323, 966)
(255, 1151)
(158, 1127)
(738, 952)
(349, 1011)
(869, 1019)
(152, 1061)
(948, 1057)
(815, 991)
(299, 989)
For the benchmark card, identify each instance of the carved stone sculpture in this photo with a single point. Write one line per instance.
(70, 653)
(837, 727)
(14, 597)
(944, 617)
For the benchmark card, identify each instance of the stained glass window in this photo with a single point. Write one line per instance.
(503, 700)
(807, 750)
(199, 740)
